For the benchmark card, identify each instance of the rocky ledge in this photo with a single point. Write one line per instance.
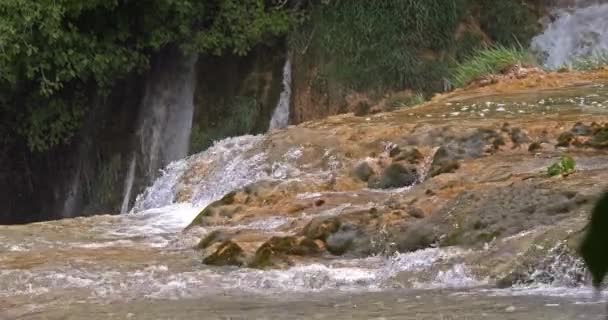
(469, 169)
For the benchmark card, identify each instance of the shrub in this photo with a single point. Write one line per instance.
(489, 61)
(564, 166)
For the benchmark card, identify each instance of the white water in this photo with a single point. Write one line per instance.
(166, 115)
(124, 208)
(575, 33)
(280, 116)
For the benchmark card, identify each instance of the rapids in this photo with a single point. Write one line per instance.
(141, 265)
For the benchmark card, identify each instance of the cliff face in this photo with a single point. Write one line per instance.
(232, 96)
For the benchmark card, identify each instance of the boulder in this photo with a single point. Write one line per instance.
(394, 176)
(228, 253)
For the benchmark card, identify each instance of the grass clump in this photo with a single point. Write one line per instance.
(593, 62)
(563, 167)
(489, 61)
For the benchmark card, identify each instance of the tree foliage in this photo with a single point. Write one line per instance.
(53, 51)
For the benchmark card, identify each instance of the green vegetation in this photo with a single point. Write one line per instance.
(239, 117)
(489, 61)
(54, 54)
(563, 167)
(508, 22)
(595, 62)
(382, 44)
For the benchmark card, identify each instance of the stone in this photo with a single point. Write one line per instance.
(362, 109)
(416, 237)
(564, 139)
(534, 146)
(321, 228)
(349, 240)
(518, 136)
(580, 129)
(444, 161)
(599, 140)
(394, 176)
(227, 254)
(211, 238)
(276, 251)
(363, 171)
(409, 154)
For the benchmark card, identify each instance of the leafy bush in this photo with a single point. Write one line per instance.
(489, 61)
(564, 166)
(51, 49)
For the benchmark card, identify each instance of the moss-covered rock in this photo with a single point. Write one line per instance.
(394, 176)
(321, 228)
(228, 253)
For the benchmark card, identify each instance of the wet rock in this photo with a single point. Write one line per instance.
(349, 240)
(227, 253)
(410, 155)
(534, 146)
(276, 251)
(363, 171)
(599, 139)
(565, 139)
(580, 129)
(415, 212)
(362, 109)
(418, 236)
(211, 238)
(215, 211)
(473, 218)
(443, 162)
(321, 228)
(394, 176)
(518, 136)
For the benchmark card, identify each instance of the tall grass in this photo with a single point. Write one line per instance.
(378, 44)
(594, 62)
(489, 61)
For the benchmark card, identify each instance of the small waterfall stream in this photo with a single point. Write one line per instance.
(280, 116)
(165, 121)
(574, 34)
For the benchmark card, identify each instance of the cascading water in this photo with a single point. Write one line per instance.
(574, 34)
(280, 116)
(165, 120)
(166, 116)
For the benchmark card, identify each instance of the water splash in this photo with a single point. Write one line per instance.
(280, 117)
(203, 178)
(575, 34)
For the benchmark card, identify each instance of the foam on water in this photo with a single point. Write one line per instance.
(574, 34)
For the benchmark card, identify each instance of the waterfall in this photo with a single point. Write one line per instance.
(166, 115)
(280, 116)
(128, 185)
(574, 34)
(165, 120)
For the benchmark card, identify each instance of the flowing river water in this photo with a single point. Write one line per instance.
(141, 265)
